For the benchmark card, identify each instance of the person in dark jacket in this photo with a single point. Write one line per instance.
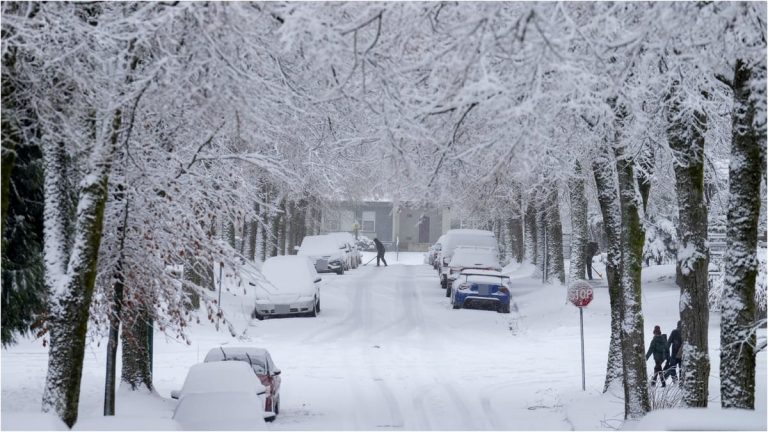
(674, 353)
(658, 349)
(589, 251)
(379, 252)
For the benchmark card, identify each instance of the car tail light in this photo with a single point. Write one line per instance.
(503, 290)
(464, 286)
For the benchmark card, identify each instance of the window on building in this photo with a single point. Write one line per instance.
(369, 221)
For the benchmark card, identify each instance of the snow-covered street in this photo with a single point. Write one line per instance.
(388, 352)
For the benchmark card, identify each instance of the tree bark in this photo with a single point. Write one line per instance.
(579, 228)
(632, 342)
(282, 222)
(556, 265)
(70, 277)
(530, 230)
(607, 197)
(737, 341)
(542, 255)
(686, 139)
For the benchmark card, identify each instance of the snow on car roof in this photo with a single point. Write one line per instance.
(221, 376)
(323, 244)
(470, 231)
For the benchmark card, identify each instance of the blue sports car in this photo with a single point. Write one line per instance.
(487, 289)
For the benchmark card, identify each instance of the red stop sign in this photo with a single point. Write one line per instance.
(580, 293)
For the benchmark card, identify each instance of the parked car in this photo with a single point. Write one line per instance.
(433, 252)
(355, 256)
(471, 257)
(220, 395)
(482, 289)
(293, 289)
(325, 252)
(461, 237)
(263, 367)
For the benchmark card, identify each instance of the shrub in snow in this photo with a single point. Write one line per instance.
(365, 244)
(660, 242)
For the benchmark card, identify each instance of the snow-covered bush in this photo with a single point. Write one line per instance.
(365, 244)
(660, 242)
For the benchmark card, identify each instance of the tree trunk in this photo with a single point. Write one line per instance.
(686, 139)
(636, 402)
(137, 343)
(607, 197)
(282, 222)
(289, 222)
(70, 277)
(116, 312)
(542, 255)
(579, 229)
(737, 342)
(555, 236)
(530, 234)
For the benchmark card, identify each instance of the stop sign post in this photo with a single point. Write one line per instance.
(580, 293)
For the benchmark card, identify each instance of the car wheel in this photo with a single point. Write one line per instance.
(277, 407)
(448, 292)
(443, 283)
(314, 311)
(340, 271)
(257, 315)
(317, 306)
(503, 308)
(456, 305)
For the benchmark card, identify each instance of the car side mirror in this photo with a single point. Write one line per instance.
(175, 394)
(251, 284)
(318, 280)
(276, 372)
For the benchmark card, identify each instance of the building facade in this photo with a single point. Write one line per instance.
(405, 227)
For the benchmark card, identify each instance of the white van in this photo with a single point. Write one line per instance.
(462, 237)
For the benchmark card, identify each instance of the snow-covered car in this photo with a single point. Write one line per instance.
(433, 252)
(326, 253)
(353, 254)
(221, 395)
(293, 288)
(481, 289)
(262, 365)
(461, 237)
(471, 257)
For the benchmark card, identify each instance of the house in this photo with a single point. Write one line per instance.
(406, 227)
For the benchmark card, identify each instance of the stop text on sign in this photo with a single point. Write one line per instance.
(580, 293)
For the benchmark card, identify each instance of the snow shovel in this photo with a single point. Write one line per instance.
(598, 273)
(371, 260)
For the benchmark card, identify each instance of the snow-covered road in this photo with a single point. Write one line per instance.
(388, 352)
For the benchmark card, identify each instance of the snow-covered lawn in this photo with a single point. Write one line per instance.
(388, 352)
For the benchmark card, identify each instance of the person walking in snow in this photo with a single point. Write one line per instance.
(658, 349)
(674, 353)
(379, 252)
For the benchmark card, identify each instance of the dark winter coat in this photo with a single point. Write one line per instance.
(379, 247)
(658, 348)
(591, 249)
(675, 342)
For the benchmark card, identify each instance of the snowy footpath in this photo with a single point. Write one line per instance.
(388, 352)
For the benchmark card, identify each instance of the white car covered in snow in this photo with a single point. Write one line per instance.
(221, 396)
(471, 257)
(462, 237)
(326, 253)
(354, 256)
(293, 288)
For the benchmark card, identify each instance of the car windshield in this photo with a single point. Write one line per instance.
(474, 257)
(256, 358)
